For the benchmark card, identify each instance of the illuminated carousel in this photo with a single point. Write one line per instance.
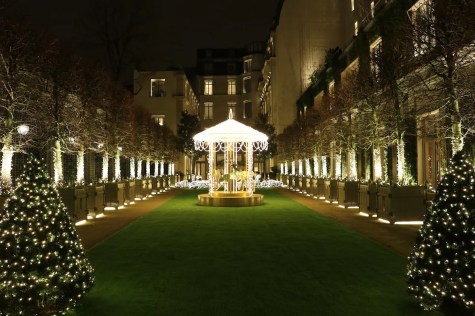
(232, 182)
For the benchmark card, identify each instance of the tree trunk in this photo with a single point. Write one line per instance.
(7, 157)
(58, 163)
(80, 165)
(105, 167)
(117, 174)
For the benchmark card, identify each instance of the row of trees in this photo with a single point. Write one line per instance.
(67, 105)
(410, 67)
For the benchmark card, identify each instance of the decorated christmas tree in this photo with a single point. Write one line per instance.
(43, 266)
(441, 270)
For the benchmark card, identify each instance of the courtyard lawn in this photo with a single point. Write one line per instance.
(277, 259)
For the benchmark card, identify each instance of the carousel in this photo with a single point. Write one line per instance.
(230, 145)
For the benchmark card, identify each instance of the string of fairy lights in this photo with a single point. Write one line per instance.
(441, 267)
(44, 266)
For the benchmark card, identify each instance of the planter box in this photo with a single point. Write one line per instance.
(115, 194)
(294, 182)
(348, 193)
(140, 193)
(75, 200)
(319, 188)
(161, 183)
(309, 185)
(146, 187)
(401, 203)
(95, 199)
(129, 191)
(155, 183)
(363, 197)
(173, 180)
(331, 190)
(285, 179)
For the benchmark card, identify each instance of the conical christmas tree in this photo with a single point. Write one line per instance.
(43, 266)
(441, 270)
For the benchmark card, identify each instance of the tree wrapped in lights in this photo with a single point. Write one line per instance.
(441, 268)
(44, 267)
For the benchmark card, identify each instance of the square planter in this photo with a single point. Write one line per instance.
(129, 191)
(155, 183)
(348, 193)
(140, 193)
(319, 189)
(95, 199)
(293, 182)
(115, 194)
(401, 203)
(309, 185)
(302, 182)
(146, 187)
(363, 197)
(285, 179)
(331, 190)
(173, 180)
(161, 183)
(75, 200)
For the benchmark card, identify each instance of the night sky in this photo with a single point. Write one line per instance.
(166, 33)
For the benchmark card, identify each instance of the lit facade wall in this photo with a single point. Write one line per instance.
(165, 94)
(306, 30)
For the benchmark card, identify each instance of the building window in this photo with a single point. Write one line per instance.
(376, 51)
(231, 86)
(232, 107)
(246, 85)
(157, 88)
(356, 28)
(423, 18)
(208, 114)
(159, 119)
(247, 65)
(208, 87)
(352, 5)
(247, 111)
(372, 9)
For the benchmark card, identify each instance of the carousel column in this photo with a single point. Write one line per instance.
(211, 167)
(250, 164)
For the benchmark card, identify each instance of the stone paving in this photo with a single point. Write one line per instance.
(399, 238)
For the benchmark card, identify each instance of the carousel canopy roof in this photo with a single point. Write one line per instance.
(230, 131)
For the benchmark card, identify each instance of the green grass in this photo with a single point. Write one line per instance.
(277, 259)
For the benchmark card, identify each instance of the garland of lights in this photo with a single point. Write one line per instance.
(441, 269)
(44, 266)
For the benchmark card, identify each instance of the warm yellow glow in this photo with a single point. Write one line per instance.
(409, 223)
(81, 223)
(363, 214)
(401, 162)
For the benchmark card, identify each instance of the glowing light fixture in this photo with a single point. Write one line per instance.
(23, 129)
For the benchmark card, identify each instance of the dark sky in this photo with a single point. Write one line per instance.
(166, 32)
